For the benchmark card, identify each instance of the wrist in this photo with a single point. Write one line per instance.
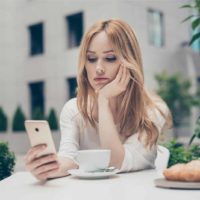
(102, 100)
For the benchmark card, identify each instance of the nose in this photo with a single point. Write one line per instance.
(100, 69)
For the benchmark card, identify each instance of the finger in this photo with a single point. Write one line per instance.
(41, 161)
(127, 79)
(35, 148)
(46, 168)
(124, 74)
(33, 152)
(119, 74)
(45, 175)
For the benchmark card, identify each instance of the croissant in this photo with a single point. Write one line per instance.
(184, 172)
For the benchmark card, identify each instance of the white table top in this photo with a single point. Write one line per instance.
(125, 186)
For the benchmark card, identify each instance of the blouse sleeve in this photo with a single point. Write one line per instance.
(69, 143)
(137, 156)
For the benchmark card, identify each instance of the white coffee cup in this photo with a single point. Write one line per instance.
(93, 159)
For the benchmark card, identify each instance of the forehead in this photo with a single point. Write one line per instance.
(100, 43)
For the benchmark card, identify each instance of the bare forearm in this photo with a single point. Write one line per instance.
(65, 165)
(109, 137)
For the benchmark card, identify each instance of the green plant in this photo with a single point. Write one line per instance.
(38, 114)
(3, 121)
(18, 120)
(196, 131)
(178, 153)
(195, 19)
(195, 149)
(52, 119)
(181, 154)
(7, 161)
(176, 92)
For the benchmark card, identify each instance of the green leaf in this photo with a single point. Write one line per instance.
(187, 6)
(195, 23)
(197, 3)
(194, 38)
(187, 18)
(191, 139)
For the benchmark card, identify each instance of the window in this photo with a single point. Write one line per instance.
(36, 39)
(74, 29)
(155, 28)
(37, 100)
(72, 85)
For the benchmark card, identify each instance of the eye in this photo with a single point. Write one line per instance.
(91, 59)
(111, 59)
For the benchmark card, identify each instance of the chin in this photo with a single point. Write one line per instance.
(99, 86)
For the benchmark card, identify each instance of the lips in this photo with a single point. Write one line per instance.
(101, 79)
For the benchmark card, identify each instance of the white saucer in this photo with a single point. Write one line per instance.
(92, 175)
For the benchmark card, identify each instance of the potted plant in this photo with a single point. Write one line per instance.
(52, 119)
(18, 120)
(7, 160)
(3, 121)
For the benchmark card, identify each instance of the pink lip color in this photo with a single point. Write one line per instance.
(100, 80)
(97, 79)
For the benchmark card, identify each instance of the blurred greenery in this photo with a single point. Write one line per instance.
(196, 131)
(7, 160)
(3, 121)
(175, 91)
(38, 114)
(194, 18)
(18, 120)
(181, 154)
(52, 119)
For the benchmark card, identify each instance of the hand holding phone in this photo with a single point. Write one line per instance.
(41, 160)
(39, 133)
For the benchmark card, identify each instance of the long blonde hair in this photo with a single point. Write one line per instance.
(133, 109)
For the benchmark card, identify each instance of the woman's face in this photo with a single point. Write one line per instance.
(102, 63)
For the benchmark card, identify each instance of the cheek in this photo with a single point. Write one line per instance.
(114, 71)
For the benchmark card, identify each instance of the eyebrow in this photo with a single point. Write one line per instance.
(108, 51)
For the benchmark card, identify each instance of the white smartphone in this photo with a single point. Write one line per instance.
(39, 133)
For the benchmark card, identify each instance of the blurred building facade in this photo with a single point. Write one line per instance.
(39, 46)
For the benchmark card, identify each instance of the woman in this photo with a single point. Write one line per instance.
(112, 110)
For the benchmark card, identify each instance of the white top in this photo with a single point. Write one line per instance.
(75, 135)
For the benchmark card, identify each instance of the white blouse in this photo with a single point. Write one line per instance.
(75, 135)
